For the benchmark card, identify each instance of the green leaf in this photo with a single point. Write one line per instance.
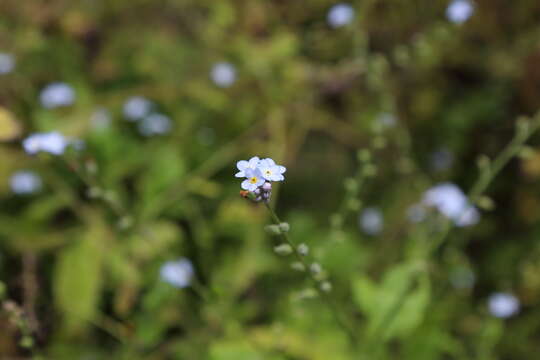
(77, 278)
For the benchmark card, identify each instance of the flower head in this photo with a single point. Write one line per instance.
(340, 15)
(51, 142)
(223, 74)
(254, 179)
(503, 305)
(25, 182)
(271, 171)
(57, 94)
(459, 11)
(244, 165)
(177, 273)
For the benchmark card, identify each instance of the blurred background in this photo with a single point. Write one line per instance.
(122, 232)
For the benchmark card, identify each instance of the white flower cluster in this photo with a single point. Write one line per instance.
(177, 273)
(51, 142)
(258, 171)
(139, 109)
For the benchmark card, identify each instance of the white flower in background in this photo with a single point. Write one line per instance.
(459, 11)
(254, 179)
(136, 108)
(371, 221)
(155, 124)
(57, 94)
(178, 273)
(441, 160)
(243, 165)
(503, 305)
(223, 74)
(100, 119)
(340, 15)
(7, 63)
(51, 142)
(270, 171)
(449, 200)
(25, 182)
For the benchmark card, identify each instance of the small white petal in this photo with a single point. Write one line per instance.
(246, 185)
(242, 165)
(240, 174)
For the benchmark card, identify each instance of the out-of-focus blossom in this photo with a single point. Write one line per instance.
(100, 119)
(462, 278)
(459, 11)
(136, 108)
(155, 124)
(178, 273)
(7, 63)
(449, 200)
(223, 74)
(25, 182)
(51, 142)
(441, 160)
(503, 305)
(371, 221)
(340, 15)
(57, 94)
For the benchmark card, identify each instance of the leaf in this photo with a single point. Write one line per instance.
(234, 351)
(77, 278)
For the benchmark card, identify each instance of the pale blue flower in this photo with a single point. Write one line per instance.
(51, 142)
(25, 182)
(155, 124)
(450, 201)
(459, 11)
(254, 179)
(243, 165)
(503, 305)
(371, 221)
(57, 94)
(271, 171)
(340, 15)
(178, 273)
(7, 63)
(136, 108)
(223, 74)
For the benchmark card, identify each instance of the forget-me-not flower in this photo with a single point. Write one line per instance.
(136, 108)
(459, 11)
(51, 142)
(270, 171)
(154, 124)
(25, 182)
(503, 305)
(243, 165)
(57, 94)
(178, 273)
(7, 63)
(340, 15)
(450, 201)
(223, 74)
(371, 221)
(254, 179)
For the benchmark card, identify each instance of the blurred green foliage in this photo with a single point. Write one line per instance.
(80, 259)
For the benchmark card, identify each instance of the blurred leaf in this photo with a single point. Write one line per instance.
(77, 277)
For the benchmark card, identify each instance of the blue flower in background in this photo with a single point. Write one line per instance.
(178, 273)
(340, 15)
(371, 221)
(57, 94)
(503, 305)
(459, 11)
(25, 182)
(136, 108)
(7, 63)
(51, 142)
(155, 124)
(223, 74)
(450, 201)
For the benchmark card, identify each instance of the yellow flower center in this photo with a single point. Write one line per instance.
(253, 180)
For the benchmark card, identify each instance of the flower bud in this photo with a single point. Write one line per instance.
(315, 268)
(94, 192)
(283, 249)
(272, 229)
(303, 249)
(483, 162)
(284, 227)
(267, 186)
(326, 286)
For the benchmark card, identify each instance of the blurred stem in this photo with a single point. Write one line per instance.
(343, 325)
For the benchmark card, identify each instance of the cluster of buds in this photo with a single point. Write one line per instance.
(258, 174)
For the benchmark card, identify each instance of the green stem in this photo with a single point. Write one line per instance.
(348, 330)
